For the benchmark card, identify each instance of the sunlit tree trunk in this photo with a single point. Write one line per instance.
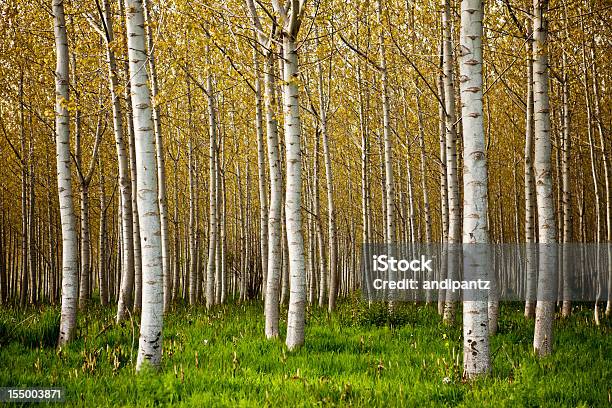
(103, 241)
(176, 279)
(444, 218)
(323, 276)
(261, 167)
(212, 188)
(454, 227)
(23, 287)
(191, 274)
(137, 281)
(85, 258)
(150, 343)
(33, 268)
(387, 138)
(329, 181)
(312, 270)
(593, 163)
(218, 191)
(424, 176)
(222, 230)
(476, 358)
(135, 211)
(547, 227)
(161, 163)
(70, 263)
(273, 256)
(386, 147)
(125, 184)
(365, 180)
(567, 195)
(293, 200)
(274, 214)
(531, 265)
(284, 285)
(291, 20)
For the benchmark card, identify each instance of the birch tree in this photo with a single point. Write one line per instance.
(291, 17)
(454, 206)
(274, 254)
(476, 358)
(566, 191)
(329, 181)
(261, 167)
(131, 146)
(150, 342)
(194, 284)
(388, 143)
(607, 167)
(70, 264)
(547, 226)
(159, 154)
(212, 188)
(103, 241)
(530, 204)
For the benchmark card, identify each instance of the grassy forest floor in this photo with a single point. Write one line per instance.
(359, 357)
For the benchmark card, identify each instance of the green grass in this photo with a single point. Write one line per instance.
(359, 356)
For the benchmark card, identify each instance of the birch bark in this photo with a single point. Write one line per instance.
(150, 342)
(547, 226)
(476, 358)
(70, 264)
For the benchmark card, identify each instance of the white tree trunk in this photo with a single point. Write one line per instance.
(85, 256)
(177, 243)
(23, 287)
(137, 278)
(293, 195)
(274, 214)
(567, 195)
(135, 212)
(426, 205)
(388, 143)
(329, 181)
(218, 272)
(323, 276)
(70, 265)
(212, 187)
(150, 343)
(125, 184)
(547, 226)
(261, 167)
(161, 163)
(191, 274)
(531, 265)
(454, 206)
(476, 358)
(103, 241)
(274, 253)
(365, 182)
(443, 190)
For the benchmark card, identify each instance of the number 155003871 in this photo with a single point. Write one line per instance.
(32, 394)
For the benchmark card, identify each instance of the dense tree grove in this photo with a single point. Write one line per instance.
(158, 153)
